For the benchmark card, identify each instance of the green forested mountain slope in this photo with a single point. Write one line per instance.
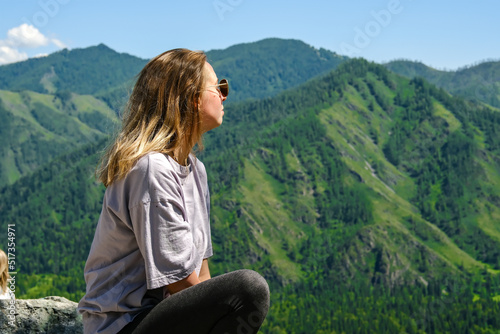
(257, 69)
(267, 67)
(480, 82)
(367, 200)
(35, 128)
(90, 70)
(425, 159)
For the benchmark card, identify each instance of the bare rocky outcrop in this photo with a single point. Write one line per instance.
(45, 315)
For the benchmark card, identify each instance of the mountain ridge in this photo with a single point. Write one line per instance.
(358, 190)
(360, 170)
(38, 127)
(479, 82)
(78, 70)
(275, 72)
(108, 76)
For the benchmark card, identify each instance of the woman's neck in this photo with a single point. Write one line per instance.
(180, 158)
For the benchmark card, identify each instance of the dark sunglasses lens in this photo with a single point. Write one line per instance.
(224, 87)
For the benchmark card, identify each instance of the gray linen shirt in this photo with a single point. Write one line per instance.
(154, 230)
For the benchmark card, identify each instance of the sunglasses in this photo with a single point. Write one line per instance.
(222, 87)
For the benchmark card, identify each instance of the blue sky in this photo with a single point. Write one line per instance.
(444, 34)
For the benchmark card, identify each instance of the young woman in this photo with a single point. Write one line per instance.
(5, 292)
(147, 270)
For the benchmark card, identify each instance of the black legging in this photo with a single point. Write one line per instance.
(233, 303)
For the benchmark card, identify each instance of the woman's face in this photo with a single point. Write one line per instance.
(211, 108)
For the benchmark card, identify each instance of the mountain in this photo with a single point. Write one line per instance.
(480, 82)
(56, 98)
(368, 201)
(267, 67)
(403, 145)
(91, 70)
(35, 128)
(256, 70)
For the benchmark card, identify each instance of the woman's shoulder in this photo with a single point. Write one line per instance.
(150, 168)
(197, 164)
(151, 179)
(152, 163)
(153, 158)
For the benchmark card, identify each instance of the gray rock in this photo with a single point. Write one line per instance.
(44, 315)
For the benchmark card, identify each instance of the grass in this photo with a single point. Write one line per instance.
(61, 126)
(272, 225)
(14, 103)
(440, 111)
(359, 153)
(88, 103)
(488, 219)
(391, 203)
(440, 244)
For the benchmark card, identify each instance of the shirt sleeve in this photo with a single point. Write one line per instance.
(162, 231)
(209, 251)
(165, 241)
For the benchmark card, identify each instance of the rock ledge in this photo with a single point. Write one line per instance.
(45, 315)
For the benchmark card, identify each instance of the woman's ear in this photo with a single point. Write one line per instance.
(197, 103)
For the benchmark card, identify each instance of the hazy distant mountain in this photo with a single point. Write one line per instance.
(267, 67)
(90, 70)
(479, 82)
(255, 70)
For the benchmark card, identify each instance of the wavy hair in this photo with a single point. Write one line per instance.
(4, 271)
(162, 114)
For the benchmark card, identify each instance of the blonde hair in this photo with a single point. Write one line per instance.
(162, 114)
(4, 271)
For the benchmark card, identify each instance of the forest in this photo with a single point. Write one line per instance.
(368, 200)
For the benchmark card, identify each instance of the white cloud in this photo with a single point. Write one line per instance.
(10, 55)
(58, 43)
(26, 36)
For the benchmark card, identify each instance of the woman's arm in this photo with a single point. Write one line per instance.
(204, 271)
(191, 280)
(182, 284)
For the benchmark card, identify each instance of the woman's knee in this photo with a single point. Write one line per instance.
(254, 286)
